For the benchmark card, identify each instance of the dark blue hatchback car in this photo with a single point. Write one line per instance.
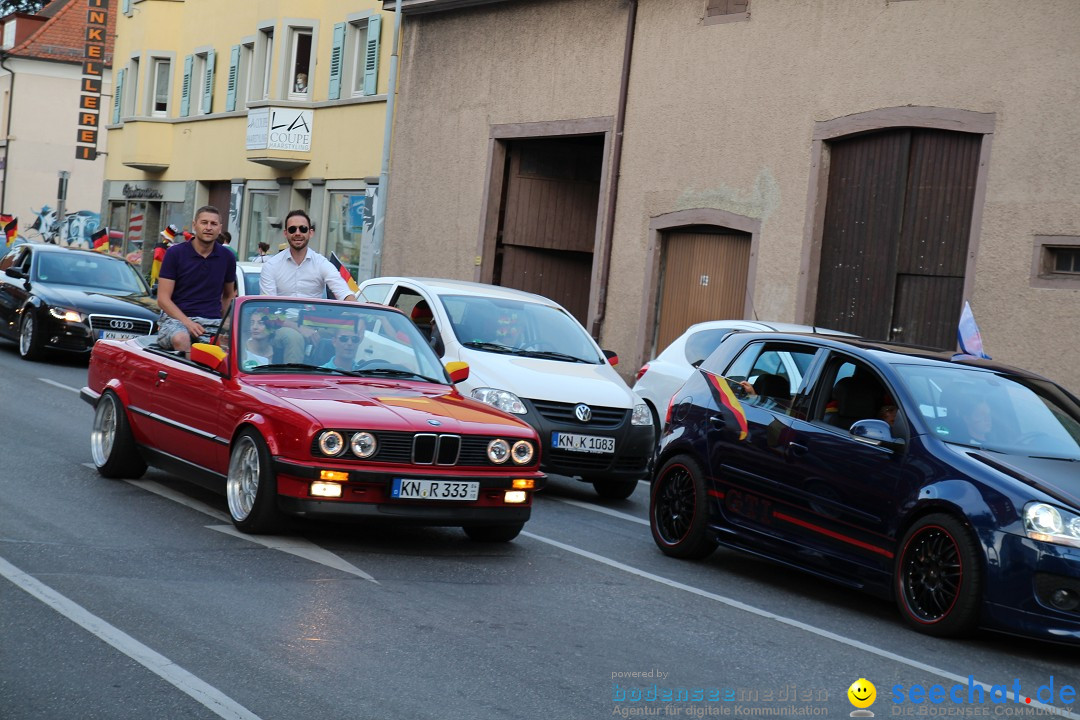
(950, 484)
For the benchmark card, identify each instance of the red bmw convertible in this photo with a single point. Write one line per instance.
(315, 409)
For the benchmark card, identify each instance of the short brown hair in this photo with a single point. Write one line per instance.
(207, 209)
(301, 213)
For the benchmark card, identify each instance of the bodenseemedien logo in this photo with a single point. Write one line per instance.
(862, 695)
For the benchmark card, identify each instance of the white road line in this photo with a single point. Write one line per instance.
(179, 497)
(850, 642)
(299, 547)
(62, 386)
(216, 701)
(598, 508)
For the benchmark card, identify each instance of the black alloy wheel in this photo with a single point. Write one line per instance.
(678, 511)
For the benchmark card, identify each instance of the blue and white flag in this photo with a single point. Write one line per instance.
(968, 335)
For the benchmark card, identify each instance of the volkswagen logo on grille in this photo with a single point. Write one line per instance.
(121, 325)
(583, 412)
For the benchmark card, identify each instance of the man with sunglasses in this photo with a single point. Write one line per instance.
(346, 341)
(301, 272)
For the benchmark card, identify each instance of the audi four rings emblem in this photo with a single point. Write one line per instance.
(121, 324)
(583, 412)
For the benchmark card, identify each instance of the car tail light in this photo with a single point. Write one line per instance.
(667, 415)
(644, 369)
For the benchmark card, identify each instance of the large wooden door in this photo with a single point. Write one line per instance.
(549, 219)
(894, 247)
(703, 277)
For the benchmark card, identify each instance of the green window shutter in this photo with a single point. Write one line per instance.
(208, 85)
(185, 88)
(371, 56)
(336, 55)
(118, 95)
(234, 76)
(126, 7)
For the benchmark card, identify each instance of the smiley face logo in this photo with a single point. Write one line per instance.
(862, 694)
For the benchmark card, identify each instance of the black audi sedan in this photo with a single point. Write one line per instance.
(947, 483)
(55, 298)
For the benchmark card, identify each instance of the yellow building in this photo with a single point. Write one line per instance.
(255, 107)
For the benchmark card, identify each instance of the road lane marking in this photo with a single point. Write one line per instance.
(178, 497)
(299, 547)
(62, 386)
(821, 632)
(207, 695)
(598, 508)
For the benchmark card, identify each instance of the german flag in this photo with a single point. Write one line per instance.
(727, 398)
(335, 322)
(10, 224)
(100, 240)
(345, 274)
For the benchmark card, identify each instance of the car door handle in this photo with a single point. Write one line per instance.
(161, 376)
(797, 450)
(717, 421)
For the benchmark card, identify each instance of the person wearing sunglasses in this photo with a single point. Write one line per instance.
(346, 341)
(301, 272)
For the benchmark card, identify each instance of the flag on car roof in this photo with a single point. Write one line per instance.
(100, 239)
(10, 223)
(727, 398)
(344, 272)
(968, 336)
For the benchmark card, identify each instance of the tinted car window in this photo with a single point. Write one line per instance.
(86, 270)
(772, 369)
(1006, 413)
(701, 344)
(375, 293)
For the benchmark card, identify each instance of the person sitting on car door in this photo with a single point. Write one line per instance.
(346, 340)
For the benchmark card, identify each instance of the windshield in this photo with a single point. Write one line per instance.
(519, 328)
(305, 337)
(89, 272)
(251, 281)
(1003, 413)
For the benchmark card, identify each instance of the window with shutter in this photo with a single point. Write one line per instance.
(185, 87)
(118, 95)
(208, 83)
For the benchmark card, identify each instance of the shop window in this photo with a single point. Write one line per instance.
(300, 65)
(260, 207)
(348, 226)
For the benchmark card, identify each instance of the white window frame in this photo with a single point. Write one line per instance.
(262, 65)
(152, 85)
(244, 70)
(130, 102)
(295, 29)
(198, 83)
(356, 38)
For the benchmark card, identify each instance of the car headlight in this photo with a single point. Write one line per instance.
(522, 452)
(1050, 524)
(505, 401)
(498, 450)
(363, 444)
(67, 314)
(331, 443)
(641, 415)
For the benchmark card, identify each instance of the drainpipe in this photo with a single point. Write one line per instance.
(7, 131)
(379, 229)
(616, 165)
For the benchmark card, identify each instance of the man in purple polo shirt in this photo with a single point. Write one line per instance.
(195, 286)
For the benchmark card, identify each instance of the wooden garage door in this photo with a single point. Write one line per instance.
(549, 219)
(894, 247)
(703, 277)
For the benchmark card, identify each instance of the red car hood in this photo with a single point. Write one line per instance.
(418, 407)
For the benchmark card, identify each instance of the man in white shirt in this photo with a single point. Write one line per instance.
(301, 272)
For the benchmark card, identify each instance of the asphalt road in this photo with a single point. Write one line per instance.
(137, 600)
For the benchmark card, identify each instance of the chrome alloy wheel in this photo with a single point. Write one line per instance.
(103, 435)
(242, 484)
(26, 334)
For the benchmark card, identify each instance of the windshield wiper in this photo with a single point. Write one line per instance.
(390, 372)
(552, 355)
(1054, 457)
(493, 347)
(275, 367)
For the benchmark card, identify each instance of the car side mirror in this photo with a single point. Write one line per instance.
(612, 357)
(15, 273)
(212, 357)
(876, 432)
(459, 371)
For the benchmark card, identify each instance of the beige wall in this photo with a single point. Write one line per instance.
(722, 116)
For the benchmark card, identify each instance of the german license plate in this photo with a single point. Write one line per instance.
(116, 335)
(407, 489)
(582, 443)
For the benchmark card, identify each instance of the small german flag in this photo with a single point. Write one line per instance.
(727, 398)
(336, 322)
(10, 224)
(100, 239)
(345, 274)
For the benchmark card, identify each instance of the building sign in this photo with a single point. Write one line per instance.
(93, 67)
(135, 191)
(279, 129)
